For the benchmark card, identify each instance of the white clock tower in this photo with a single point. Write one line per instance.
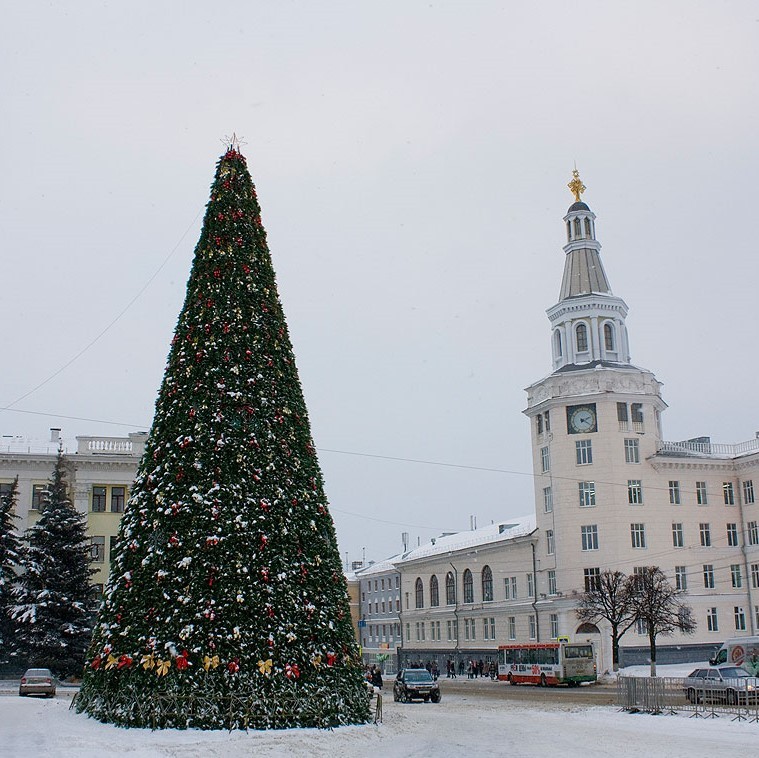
(595, 420)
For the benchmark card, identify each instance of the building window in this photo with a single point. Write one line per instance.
(98, 499)
(530, 585)
(728, 493)
(587, 492)
(487, 584)
(118, 496)
(512, 627)
(740, 619)
(592, 577)
(539, 423)
(468, 587)
(545, 459)
(712, 623)
(708, 576)
(681, 578)
(622, 417)
(732, 535)
(488, 628)
(748, 491)
(39, 494)
(553, 621)
(608, 335)
(418, 632)
(448, 630)
(584, 452)
(581, 337)
(557, 343)
(701, 496)
(450, 589)
(641, 627)
(705, 535)
(753, 533)
(638, 535)
(735, 576)
(550, 547)
(551, 581)
(533, 627)
(632, 451)
(589, 534)
(678, 540)
(510, 587)
(434, 592)
(755, 575)
(547, 499)
(636, 415)
(674, 492)
(634, 492)
(418, 593)
(97, 549)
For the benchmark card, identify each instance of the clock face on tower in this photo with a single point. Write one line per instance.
(581, 418)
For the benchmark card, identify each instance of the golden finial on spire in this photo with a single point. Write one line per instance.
(576, 187)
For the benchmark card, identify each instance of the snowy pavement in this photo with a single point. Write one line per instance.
(459, 725)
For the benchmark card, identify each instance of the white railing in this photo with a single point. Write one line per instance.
(105, 445)
(691, 447)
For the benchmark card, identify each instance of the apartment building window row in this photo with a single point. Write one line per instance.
(748, 492)
(488, 628)
(712, 621)
(632, 451)
(548, 499)
(551, 581)
(701, 494)
(740, 619)
(589, 536)
(674, 492)
(681, 578)
(638, 535)
(592, 578)
(736, 576)
(584, 452)
(545, 459)
(587, 492)
(634, 492)
(99, 497)
(732, 535)
(708, 570)
(550, 542)
(728, 493)
(705, 534)
(678, 538)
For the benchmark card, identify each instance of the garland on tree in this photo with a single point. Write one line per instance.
(226, 605)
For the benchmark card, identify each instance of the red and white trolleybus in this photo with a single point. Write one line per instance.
(547, 663)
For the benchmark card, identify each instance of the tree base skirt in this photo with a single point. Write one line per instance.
(198, 710)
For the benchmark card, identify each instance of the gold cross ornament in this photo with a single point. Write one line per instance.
(576, 187)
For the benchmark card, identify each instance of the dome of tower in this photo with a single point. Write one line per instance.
(578, 206)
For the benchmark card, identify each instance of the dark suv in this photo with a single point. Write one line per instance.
(416, 684)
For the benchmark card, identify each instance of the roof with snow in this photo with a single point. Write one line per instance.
(500, 532)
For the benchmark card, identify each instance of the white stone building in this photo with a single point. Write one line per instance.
(610, 492)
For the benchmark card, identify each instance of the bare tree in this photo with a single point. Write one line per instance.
(658, 606)
(608, 598)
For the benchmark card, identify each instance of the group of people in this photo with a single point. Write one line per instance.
(374, 677)
(473, 669)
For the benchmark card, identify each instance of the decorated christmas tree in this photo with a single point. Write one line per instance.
(226, 605)
(53, 598)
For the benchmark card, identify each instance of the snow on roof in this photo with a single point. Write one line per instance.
(380, 567)
(502, 531)
(33, 446)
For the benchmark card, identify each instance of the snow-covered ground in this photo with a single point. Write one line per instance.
(459, 725)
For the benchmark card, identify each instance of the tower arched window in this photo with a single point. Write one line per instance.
(487, 584)
(434, 592)
(557, 343)
(450, 589)
(569, 231)
(578, 229)
(581, 338)
(419, 593)
(468, 587)
(609, 341)
(588, 233)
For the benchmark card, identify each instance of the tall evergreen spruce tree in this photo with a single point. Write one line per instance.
(10, 559)
(227, 606)
(53, 608)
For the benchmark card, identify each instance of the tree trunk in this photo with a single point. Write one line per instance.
(614, 648)
(652, 646)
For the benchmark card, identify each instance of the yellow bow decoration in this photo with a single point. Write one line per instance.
(162, 667)
(265, 667)
(148, 662)
(112, 661)
(210, 663)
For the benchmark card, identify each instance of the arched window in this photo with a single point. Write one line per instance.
(487, 584)
(434, 593)
(450, 589)
(419, 593)
(587, 228)
(581, 336)
(557, 343)
(578, 229)
(468, 587)
(569, 231)
(609, 337)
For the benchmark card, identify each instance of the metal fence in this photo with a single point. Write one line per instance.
(673, 695)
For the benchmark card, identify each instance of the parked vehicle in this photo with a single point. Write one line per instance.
(37, 682)
(547, 663)
(415, 684)
(727, 684)
(739, 651)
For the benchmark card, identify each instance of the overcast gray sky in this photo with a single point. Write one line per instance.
(411, 159)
